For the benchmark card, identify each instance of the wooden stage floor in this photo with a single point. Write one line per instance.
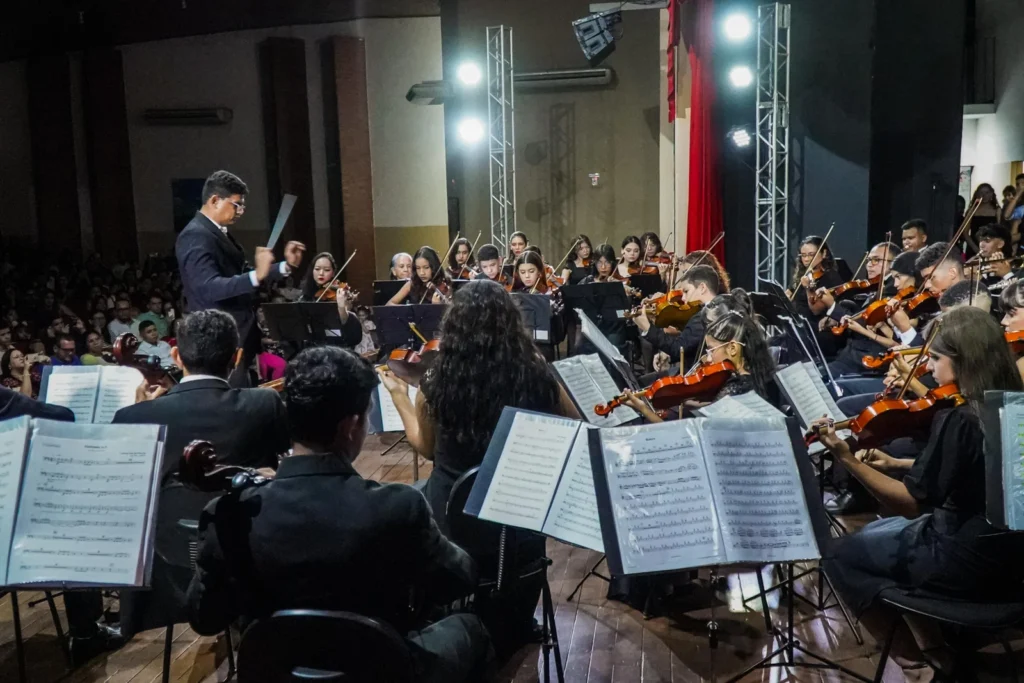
(602, 640)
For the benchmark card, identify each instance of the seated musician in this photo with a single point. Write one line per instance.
(654, 254)
(1011, 301)
(490, 264)
(994, 249)
(815, 269)
(429, 284)
(699, 283)
(532, 276)
(486, 361)
(461, 264)
(401, 266)
(862, 341)
(914, 235)
(577, 266)
(357, 545)
(702, 257)
(938, 539)
(940, 273)
(629, 262)
(247, 426)
(517, 244)
(738, 339)
(321, 273)
(614, 328)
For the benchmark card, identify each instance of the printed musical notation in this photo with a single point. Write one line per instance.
(589, 384)
(1011, 418)
(661, 497)
(573, 516)
(761, 508)
(13, 438)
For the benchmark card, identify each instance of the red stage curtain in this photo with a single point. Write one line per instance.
(704, 215)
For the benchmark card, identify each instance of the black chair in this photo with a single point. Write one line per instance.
(993, 618)
(514, 562)
(174, 555)
(316, 645)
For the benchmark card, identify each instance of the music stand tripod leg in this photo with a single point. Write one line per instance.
(592, 572)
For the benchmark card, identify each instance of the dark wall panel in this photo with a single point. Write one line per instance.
(53, 155)
(286, 135)
(110, 168)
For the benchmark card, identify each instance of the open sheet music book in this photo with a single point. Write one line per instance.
(1002, 419)
(589, 383)
(384, 415)
(739, 406)
(809, 396)
(77, 503)
(94, 393)
(702, 492)
(536, 475)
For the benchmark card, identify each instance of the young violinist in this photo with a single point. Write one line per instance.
(602, 266)
(461, 264)
(939, 539)
(702, 257)
(815, 268)
(940, 267)
(629, 262)
(699, 284)
(602, 271)
(1011, 302)
(531, 274)
(577, 266)
(994, 252)
(429, 283)
(319, 275)
(656, 260)
(490, 264)
(486, 361)
(517, 243)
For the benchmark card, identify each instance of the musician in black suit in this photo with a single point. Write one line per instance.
(248, 427)
(214, 272)
(15, 404)
(319, 536)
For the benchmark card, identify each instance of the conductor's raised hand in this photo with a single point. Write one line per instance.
(293, 252)
(264, 262)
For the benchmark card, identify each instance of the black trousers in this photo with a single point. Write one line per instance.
(83, 608)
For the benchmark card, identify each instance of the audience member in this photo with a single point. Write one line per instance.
(64, 353)
(22, 372)
(94, 350)
(150, 343)
(122, 324)
(154, 313)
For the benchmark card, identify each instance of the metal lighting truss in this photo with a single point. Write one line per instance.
(501, 135)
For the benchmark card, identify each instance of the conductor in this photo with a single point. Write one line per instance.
(214, 273)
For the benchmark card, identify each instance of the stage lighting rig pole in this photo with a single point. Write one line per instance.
(772, 161)
(501, 134)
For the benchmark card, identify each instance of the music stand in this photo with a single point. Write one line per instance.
(648, 284)
(385, 290)
(393, 323)
(599, 300)
(303, 322)
(612, 357)
(536, 313)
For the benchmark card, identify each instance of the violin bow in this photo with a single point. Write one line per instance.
(952, 243)
(703, 256)
(917, 363)
(337, 275)
(881, 278)
(810, 268)
(472, 249)
(443, 261)
(560, 263)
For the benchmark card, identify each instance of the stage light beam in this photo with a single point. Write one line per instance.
(741, 76)
(738, 27)
(469, 74)
(471, 130)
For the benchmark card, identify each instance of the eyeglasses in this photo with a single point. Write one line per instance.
(711, 350)
(239, 208)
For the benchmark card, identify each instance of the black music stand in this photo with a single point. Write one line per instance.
(303, 322)
(599, 300)
(647, 284)
(385, 290)
(536, 313)
(394, 323)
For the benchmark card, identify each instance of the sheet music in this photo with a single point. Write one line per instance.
(589, 384)
(13, 439)
(826, 396)
(807, 399)
(757, 487)
(597, 338)
(85, 504)
(74, 387)
(391, 421)
(573, 515)
(116, 390)
(739, 406)
(1011, 422)
(661, 497)
(528, 471)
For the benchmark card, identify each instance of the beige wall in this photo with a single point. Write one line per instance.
(613, 131)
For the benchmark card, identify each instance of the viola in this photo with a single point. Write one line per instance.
(702, 384)
(411, 364)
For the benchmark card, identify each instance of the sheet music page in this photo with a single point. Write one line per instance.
(582, 381)
(597, 338)
(391, 421)
(573, 516)
(75, 388)
(84, 504)
(807, 399)
(725, 407)
(528, 471)
(812, 372)
(116, 391)
(757, 405)
(759, 494)
(661, 497)
(1011, 422)
(13, 440)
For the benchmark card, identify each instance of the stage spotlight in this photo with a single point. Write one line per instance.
(738, 27)
(595, 36)
(741, 76)
(740, 137)
(469, 73)
(471, 130)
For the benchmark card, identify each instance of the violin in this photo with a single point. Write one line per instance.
(126, 353)
(463, 273)
(854, 286)
(1016, 341)
(701, 384)
(879, 361)
(669, 312)
(587, 262)
(331, 291)
(411, 364)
